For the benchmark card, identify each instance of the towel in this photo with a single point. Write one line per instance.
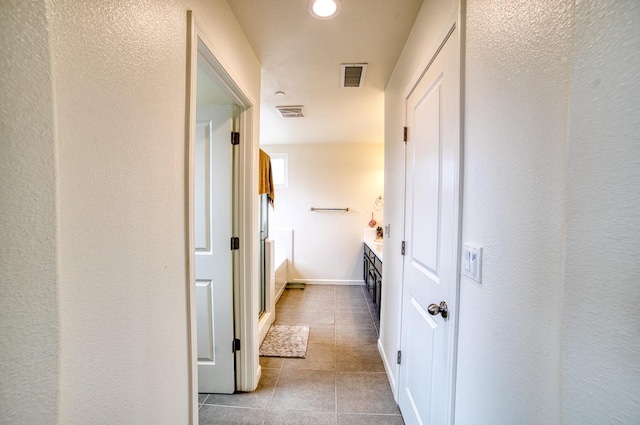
(265, 177)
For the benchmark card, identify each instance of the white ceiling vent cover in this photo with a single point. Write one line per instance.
(352, 74)
(292, 111)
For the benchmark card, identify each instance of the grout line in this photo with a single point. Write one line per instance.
(371, 414)
(335, 392)
(335, 353)
(275, 385)
(234, 407)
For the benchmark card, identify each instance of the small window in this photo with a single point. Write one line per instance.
(279, 168)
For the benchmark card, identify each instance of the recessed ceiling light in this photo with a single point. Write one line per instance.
(324, 9)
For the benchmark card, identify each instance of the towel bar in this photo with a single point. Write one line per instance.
(329, 209)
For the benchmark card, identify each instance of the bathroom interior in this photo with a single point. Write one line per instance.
(325, 225)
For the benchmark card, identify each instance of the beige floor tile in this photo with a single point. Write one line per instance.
(322, 334)
(359, 334)
(353, 316)
(318, 357)
(322, 316)
(358, 358)
(364, 419)
(288, 318)
(222, 415)
(351, 303)
(312, 390)
(364, 393)
(289, 417)
(353, 290)
(271, 362)
(318, 302)
(260, 398)
(319, 289)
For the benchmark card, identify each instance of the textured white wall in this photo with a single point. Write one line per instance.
(120, 84)
(517, 87)
(328, 245)
(551, 193)
(425, 38)
(29, 341)
(601, 344)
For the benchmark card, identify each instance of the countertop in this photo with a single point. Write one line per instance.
(375, 246)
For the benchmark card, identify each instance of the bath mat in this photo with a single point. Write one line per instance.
(285, 341)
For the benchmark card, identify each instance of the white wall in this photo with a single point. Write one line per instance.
(517, 88)
(601, 344)
(30, 336)
(422, 43)
(551, 192)
(106, 340)
(328, 245)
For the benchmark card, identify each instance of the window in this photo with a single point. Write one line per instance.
(279, 168)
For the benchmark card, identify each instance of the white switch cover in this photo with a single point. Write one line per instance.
(472, 262)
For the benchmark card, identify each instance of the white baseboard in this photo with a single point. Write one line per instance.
(279, 294)
(264, 323)
(258, 373)
(390, 371)
(329, 282)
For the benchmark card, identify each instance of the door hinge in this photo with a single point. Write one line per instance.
(399, 356)
(403, 248)
(236, 345)
(405, 133)
(235, 138)
(235, 243)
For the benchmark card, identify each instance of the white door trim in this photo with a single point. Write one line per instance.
(245, 218)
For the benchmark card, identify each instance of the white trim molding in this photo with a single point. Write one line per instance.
(245, 217)
(329, 281)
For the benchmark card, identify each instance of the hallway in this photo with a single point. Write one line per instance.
(342, 379)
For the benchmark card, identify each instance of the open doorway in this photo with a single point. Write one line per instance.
(222, 325)
(213, 220)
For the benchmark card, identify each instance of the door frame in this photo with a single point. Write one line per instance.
(244, 216)
(454, 23)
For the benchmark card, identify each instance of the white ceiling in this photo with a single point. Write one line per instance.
(301, 56)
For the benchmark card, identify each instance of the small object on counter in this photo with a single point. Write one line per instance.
(372, 223)
(378, 232)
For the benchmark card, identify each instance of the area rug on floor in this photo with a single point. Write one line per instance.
(285, 341)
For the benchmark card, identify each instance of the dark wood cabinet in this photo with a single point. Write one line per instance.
(372, 275)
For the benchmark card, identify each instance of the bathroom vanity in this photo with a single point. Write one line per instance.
(372, 270)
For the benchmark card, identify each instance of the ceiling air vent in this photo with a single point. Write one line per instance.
(293, 111)
(352, 74)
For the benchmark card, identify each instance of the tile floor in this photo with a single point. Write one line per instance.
(340, 382)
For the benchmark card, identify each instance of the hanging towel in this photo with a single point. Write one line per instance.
(265, 182)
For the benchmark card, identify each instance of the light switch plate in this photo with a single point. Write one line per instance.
(472, 262)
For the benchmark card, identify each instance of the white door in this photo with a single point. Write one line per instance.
(431, 235)
(213, 268)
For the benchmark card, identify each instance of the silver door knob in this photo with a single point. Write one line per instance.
(441, 309)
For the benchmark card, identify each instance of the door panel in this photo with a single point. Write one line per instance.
(423, 328)
(212, 227)
(202, 178)
(204, 312)
(425, 209)
(431, 235)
